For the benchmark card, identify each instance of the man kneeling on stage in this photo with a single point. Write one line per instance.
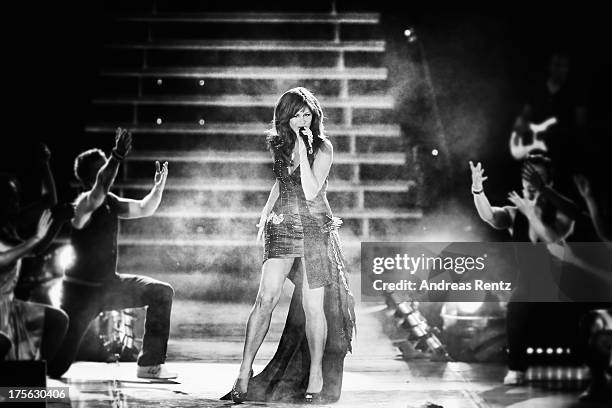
(93, 285)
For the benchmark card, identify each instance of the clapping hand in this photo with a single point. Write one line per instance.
(43, 154)
(530, 174)
(123, 142)
(524, 205)
(161, 174)
(44, 223)
(477, 176)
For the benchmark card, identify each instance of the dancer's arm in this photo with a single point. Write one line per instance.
(128, 208)
(26, 247)
(30, 214)
(599, 209)
(561, 228)
(313, 178)
(497, 217)
(89, 201)
(48, 182)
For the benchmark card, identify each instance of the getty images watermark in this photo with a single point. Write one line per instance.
(479, 271)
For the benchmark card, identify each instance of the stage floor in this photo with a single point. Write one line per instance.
(375, 375)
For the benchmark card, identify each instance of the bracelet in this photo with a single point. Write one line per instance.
(478, 191)
(116, 155)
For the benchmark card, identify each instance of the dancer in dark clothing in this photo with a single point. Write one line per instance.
(28, 330)
(531, 219)
(93, 285)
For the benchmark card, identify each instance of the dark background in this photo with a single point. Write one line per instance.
(483, 61)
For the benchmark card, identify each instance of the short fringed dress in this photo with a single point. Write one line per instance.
(307, 231)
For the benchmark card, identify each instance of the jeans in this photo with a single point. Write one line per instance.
(83, 303)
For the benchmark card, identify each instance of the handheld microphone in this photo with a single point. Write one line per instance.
(307, 139)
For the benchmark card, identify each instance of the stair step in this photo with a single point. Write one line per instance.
(264, 45)
(261, 185)
(354, 101)
(253, 129)
(383, 213)
(255, 72)
(212, 156)
(211, 242)
(257, 18)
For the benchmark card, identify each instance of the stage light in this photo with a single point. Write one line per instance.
(468, 307)
(201, 82)
(201, 122)
(529, 350)
(159, 121)
(65, 257)
(559, 350)
(539, 350)
(408, 32)
(159, 81)
(549, 350)
(55, 293)
(434, 152)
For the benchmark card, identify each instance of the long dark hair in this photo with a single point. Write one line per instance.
(281, 139)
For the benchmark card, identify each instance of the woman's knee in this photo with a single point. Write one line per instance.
(312, 302)
(267, 300)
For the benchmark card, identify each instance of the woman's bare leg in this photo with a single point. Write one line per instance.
(316, 333)
(273, 275)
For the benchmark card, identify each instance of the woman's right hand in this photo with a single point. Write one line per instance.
(44, 223)
(477, 176)
(261, 225)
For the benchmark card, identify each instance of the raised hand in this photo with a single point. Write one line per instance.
(43, 154)
(477, 176)
(583, 185)
(44, 223)
(161, 174)
(123, 142)
(530, 174)
(524, 205)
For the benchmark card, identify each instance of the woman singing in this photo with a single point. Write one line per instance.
(301, 243)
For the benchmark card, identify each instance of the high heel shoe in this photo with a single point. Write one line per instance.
(313, 398)
(237, 395)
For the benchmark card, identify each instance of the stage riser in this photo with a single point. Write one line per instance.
(137, 31)
(145, 6)
(210, 171)
(176, 73)
(199, 58)
(189, 141)
(148, 114)
(241, 228)
(111, 86)
(175, 201)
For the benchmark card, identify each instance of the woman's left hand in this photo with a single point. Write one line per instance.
(524, 205)
(301, 145)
